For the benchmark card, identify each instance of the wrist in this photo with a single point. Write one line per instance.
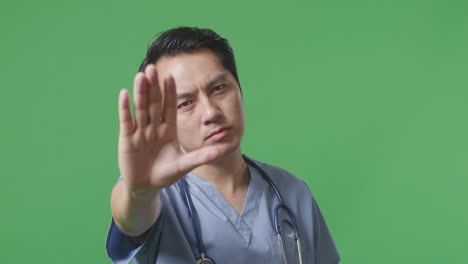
(143, 194)
(140, 193)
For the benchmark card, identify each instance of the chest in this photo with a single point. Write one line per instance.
(228, 237)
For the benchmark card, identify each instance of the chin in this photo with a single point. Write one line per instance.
(228, 148)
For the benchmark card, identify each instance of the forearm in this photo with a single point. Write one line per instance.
(134, 212)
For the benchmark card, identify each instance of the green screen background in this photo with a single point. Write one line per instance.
(364, 100)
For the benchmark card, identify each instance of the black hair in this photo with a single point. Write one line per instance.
(189, 39)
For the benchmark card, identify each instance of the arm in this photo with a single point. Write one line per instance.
(150, 157)
(134, 212)
(325, 248)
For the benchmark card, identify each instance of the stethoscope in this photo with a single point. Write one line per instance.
(203, 258)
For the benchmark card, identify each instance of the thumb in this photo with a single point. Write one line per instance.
(190, 160)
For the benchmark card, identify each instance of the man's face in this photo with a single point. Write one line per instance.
(209, 102)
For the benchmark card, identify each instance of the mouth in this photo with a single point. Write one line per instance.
(218, 134)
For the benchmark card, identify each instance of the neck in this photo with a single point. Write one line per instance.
(228, 174)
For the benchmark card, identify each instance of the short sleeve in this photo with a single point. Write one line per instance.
(325, 249)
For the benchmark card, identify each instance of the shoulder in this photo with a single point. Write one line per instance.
(283, 179)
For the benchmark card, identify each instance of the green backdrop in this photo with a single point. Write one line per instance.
(364, 100)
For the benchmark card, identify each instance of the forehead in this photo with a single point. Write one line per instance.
(190, 69)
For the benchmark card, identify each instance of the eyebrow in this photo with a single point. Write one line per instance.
(210, 83)
(217, 78)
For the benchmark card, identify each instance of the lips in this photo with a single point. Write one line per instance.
(220, 130)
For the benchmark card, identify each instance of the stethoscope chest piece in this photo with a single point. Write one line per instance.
(205, 260)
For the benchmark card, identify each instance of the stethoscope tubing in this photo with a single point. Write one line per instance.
(193, 215)
(281, 206)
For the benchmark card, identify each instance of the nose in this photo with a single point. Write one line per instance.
(210, 111)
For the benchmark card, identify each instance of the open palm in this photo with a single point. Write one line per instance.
(150, 157)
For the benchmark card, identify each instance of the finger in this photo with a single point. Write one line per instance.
(140, 95)
(154, 98)
(191, 160)
(125, 117)
(169, 113)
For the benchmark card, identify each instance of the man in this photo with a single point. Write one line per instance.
(186, 193)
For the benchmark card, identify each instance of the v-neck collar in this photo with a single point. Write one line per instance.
(215, 202)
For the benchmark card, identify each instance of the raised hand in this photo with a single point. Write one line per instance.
(150, 157)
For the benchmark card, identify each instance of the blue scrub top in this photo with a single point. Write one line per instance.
(227, 236)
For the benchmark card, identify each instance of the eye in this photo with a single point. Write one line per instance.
(219, 87)
(184, 104)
